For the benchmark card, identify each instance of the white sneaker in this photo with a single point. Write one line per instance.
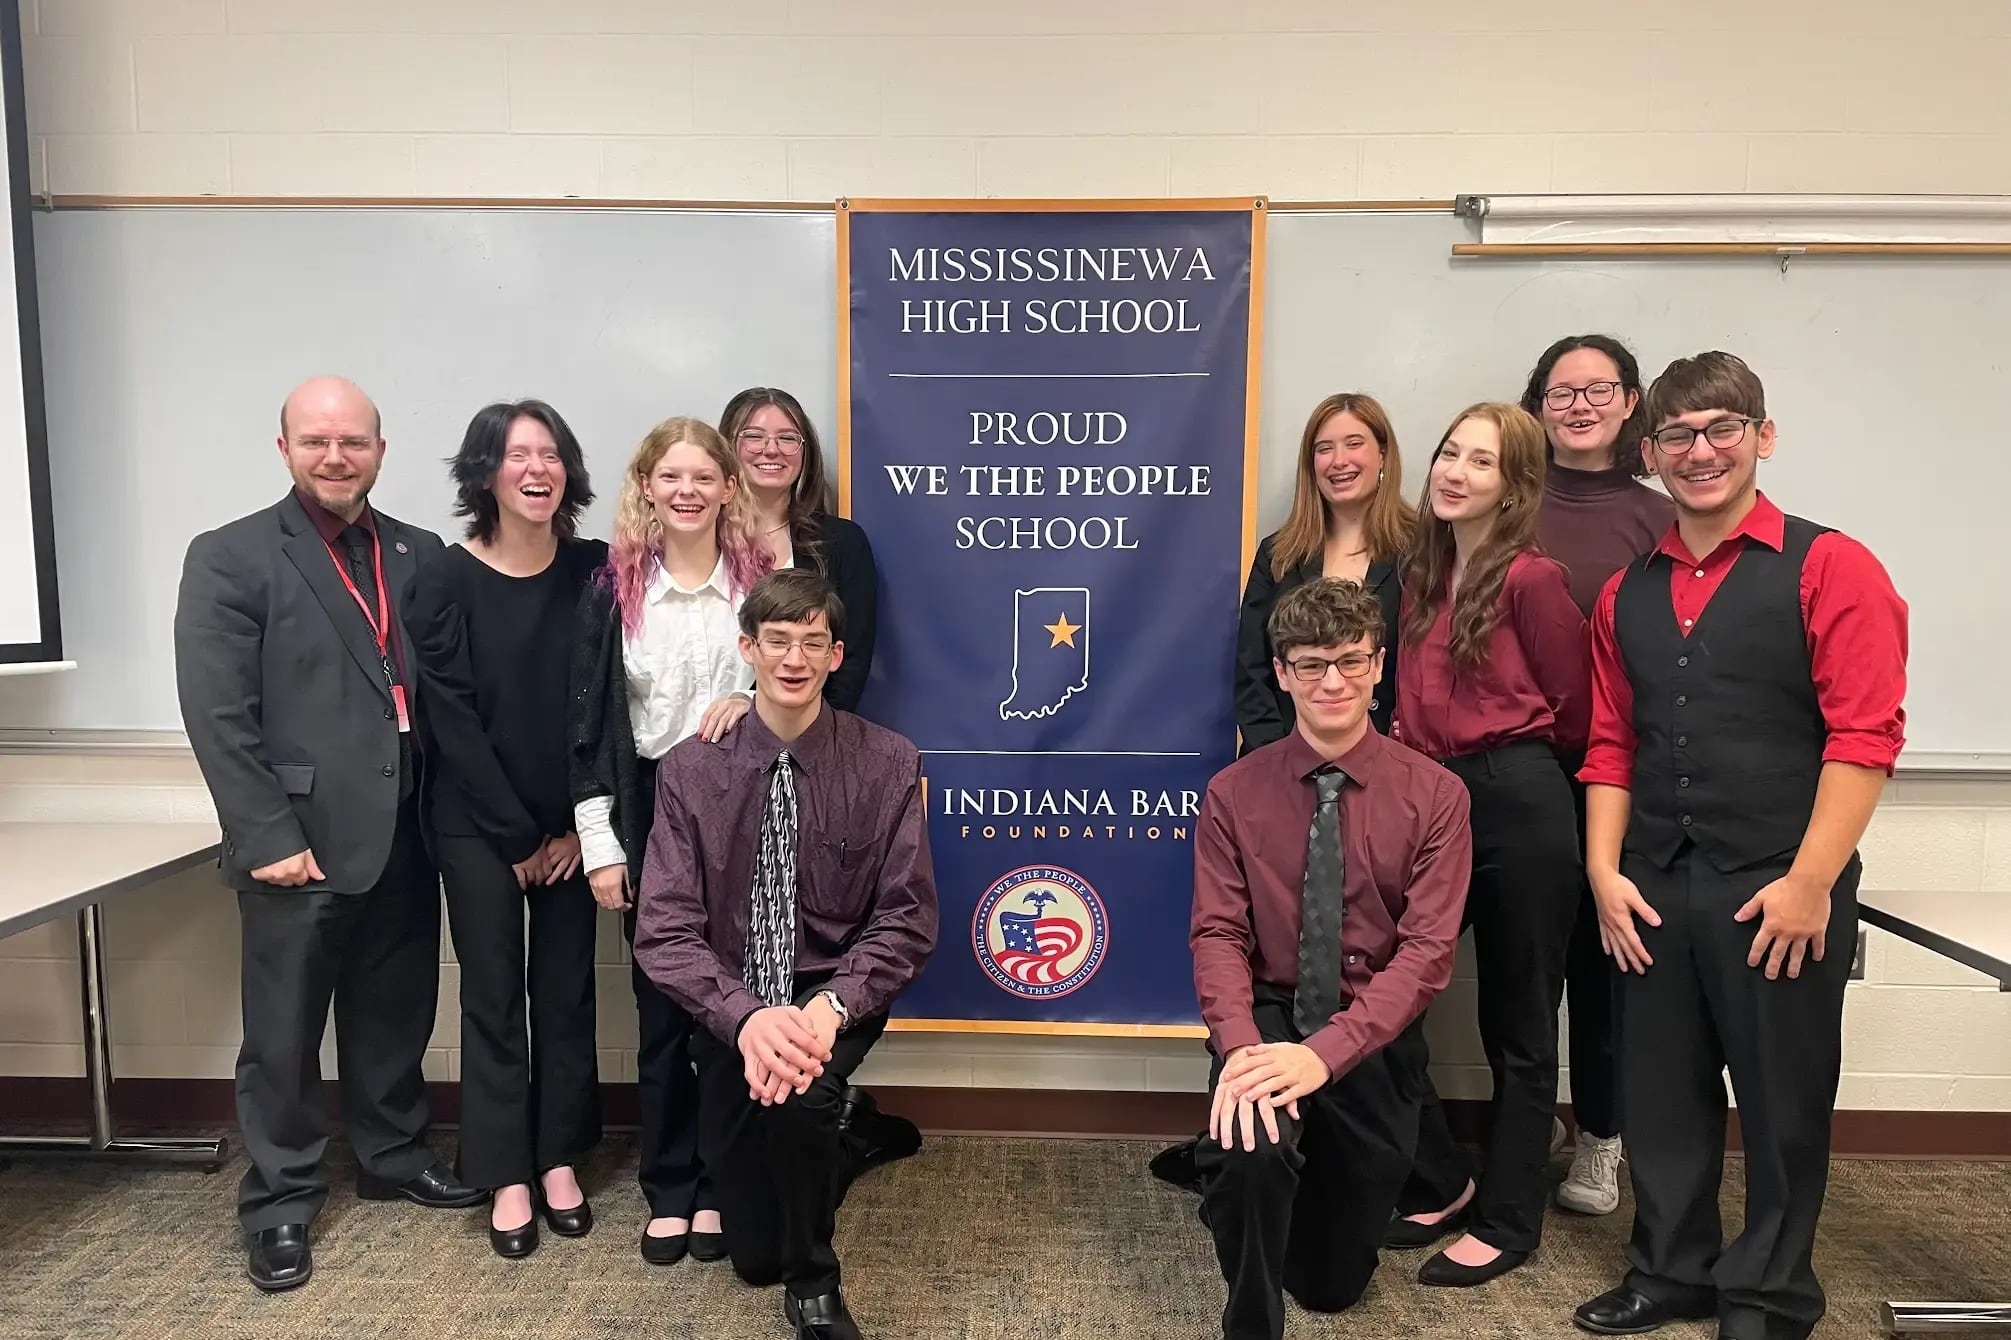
(1593, 1184)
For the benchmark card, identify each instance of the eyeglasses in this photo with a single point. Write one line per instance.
(1679, 441)
(319, 444)
(1313, 669)
(1595, 393)
(775, 647)
(786, 443)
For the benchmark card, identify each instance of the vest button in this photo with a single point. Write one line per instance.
(1682, 660)
(1682, 740)
(1682, 781)
(1682, 699)
(1686, 821)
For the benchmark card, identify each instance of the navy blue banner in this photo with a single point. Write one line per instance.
(1046, 421)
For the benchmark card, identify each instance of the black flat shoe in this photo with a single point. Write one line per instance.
(515, 1242)
(1445, 1273)
(435, 1189)
(665, 1251)
(1626, 1311)
(278, 1258)
(1406, 1234)
(821, 1318)
(708, 1246)
(574, 1223)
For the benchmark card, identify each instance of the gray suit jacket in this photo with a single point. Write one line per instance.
(283, 696)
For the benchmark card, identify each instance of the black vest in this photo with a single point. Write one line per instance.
(1730, 735)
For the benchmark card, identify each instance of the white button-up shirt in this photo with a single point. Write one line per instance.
(684, 658)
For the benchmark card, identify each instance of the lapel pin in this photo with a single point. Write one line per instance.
(401, 547)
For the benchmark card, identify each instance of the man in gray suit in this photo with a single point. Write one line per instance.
(298, 696)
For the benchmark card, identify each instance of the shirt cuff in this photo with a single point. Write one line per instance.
(1861, 749)
(598, 845)
(1234, 1033)
(1606, 766)
(1334, 1047)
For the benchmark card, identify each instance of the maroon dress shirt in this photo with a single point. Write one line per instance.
(1407, 851)
(865, 884)
(1854, 620)
(1533, 683)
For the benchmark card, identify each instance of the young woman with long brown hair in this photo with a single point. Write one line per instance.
(657, 660)
(1496, 686)
(1348, 520)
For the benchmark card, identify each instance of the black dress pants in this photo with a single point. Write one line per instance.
(1521, 902)
(377, 956)
(530, 1095)
(1592, 986)
(780, 1171)
(670, 1166)
(1307, 1214)
(1697, 1011)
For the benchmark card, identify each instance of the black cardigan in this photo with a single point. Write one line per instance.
(1263, 710)
(603, 759)
(845, 556)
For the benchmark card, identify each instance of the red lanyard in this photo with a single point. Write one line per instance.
(380, 624)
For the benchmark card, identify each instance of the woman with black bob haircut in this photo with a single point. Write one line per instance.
(794, 513)
(493, 627)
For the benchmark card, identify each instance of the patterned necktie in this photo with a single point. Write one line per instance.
(771, 916)
(1318, 996)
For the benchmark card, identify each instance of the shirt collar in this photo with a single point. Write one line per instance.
(1360, 762)
(809, 750)
(1764, 523)
(661, 583)
(328, 525)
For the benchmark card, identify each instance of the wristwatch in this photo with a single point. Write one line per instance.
(837, 1007)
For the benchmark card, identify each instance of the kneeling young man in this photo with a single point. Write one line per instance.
(787, 898)
(1747, 681)
(1330, 873)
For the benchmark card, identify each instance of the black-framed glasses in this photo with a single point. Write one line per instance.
(1313, 669)
(1595, 393)
(1678, 441)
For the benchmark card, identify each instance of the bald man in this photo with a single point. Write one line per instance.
(296, 693)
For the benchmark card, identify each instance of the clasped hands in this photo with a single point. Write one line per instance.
(784, 1047)
(556, 859)
(1256, 1081)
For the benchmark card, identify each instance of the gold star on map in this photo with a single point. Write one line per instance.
(1063, 631)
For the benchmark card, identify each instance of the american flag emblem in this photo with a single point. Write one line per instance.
(1040, 932)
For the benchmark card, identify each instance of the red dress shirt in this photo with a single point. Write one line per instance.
(1856, 628)
(1533, 683)
(1407, 852)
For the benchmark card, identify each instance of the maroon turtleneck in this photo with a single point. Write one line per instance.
(1595, 522)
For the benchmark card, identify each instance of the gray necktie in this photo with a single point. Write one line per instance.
(1318, 996)
(771, 913)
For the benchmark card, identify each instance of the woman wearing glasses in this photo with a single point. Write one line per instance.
(790, 500)
(1348, 520)
(1496, 686)
(657, 659)
(1597, 517)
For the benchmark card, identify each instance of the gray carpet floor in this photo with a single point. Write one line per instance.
(973, 1239)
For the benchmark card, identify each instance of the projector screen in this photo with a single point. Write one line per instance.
(30, 635)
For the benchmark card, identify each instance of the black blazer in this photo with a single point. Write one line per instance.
(846, 557)
(1263, 710)
(603, 759)
(284, 699)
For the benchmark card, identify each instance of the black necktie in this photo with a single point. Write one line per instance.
(356, 547)
(1318, 997)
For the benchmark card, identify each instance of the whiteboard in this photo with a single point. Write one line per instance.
(171, 334)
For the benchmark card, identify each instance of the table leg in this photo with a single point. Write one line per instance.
(104, 1140)
(1945, 1318)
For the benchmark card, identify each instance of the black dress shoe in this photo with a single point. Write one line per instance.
(708, 1246)
(435, 1189)
(1405, 1234)
(665, 1251)
(515, 1242)
(278, 1258)
(1445, 1273)
(1175, 1165)
(1626, 1311)
(574, 1223)
(871, 1137)
(821, 1318)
